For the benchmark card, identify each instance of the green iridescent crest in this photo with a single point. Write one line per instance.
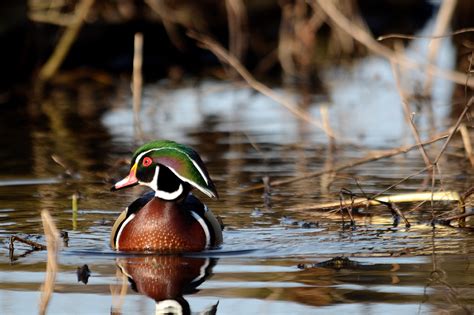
(182, 160)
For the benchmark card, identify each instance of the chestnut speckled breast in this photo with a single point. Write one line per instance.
(164, 226)
(171, 218)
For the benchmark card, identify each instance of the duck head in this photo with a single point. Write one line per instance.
(170, 169)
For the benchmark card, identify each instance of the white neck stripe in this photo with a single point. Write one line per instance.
(169, 196)
(130, 217)
(204, 227)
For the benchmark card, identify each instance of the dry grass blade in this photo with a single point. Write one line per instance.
(456, 217)
(366, 39)
(226, 57)
(52, 244)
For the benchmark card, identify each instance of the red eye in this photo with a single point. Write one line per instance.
(147, 161)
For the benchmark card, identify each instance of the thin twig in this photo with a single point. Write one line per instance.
(454, 129)
(405, 36)
(456, 217)
(402, 180)
(369, 158)
(466, 140)
(406, 110)
(33, 244)
(223, 54)
(52, 241)
(392, 206)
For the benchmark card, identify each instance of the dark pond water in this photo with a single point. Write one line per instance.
(268, 263)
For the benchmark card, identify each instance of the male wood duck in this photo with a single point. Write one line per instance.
(170, 219)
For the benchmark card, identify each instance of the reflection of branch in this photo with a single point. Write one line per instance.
(224, 55)
(438, 277)
(33, 244)
(367, 40)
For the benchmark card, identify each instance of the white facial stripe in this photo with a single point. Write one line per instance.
(160, 193)
(204, 227)
(154, 182)
(142, 154)
(169, 196)
(121, 229)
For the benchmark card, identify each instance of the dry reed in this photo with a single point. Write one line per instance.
(442, 23)
(52, 243)
(66, 41)
(366, 39)
(237, 24)
(137, 83)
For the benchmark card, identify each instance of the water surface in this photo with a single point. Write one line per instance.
(270, 260)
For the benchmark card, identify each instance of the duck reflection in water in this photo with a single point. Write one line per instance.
(167, 278)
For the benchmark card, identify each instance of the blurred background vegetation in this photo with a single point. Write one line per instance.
(286, 40)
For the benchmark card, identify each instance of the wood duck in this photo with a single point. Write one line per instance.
(169, 219)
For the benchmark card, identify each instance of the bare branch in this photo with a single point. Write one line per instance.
(226, 57)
